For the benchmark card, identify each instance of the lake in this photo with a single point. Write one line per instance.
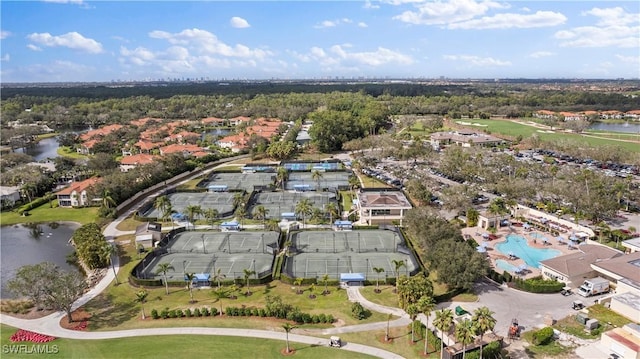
(45, 148)
(21, 245)
(616, 127)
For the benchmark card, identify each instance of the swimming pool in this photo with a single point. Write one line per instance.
(504, 265)
(518, 246)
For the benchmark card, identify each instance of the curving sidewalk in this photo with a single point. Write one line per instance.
(50, 325)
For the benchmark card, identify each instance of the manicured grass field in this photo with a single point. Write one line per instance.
(177, 346)
(347, 198)
(401, 342)
(370, 182)
(115, 308)
(513, 130)
(69, 152)
(46, 214)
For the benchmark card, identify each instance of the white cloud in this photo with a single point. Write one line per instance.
(506, 21)
(341, 56)
(614, 28)
(5, 58)
(239, 23)
(539, 54)
(362, 24)
(4, 34)
(369, 5)
(477, 60)
(629, 59)
(332, 23)
(204, 42)
(446, 12)
(72, 40)
(138, 56)
(33, 47)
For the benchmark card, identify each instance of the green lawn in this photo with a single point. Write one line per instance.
(370, 182)
(386, 296)
(66, 151)
(179, 346)
(401, 342)
(513, 130)
(604, 315)
(46, 214)
(550, 350)
(347, 200)
(115, 308)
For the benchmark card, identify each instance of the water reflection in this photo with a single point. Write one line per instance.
(30, 244)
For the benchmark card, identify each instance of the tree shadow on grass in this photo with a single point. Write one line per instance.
(106, 313)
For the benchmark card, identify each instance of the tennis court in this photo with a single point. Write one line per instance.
(240, 181)
(310, 166)
(285, 202)
(330, 180)
(208, 252)
(316, 253)
(221, 201)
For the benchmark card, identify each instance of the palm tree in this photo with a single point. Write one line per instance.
(483, 321)
(107, 253)
(397, 263)
(316, 176)
(162, 203)
(238, 199)
(107, 199)
(219, 276)
(220, 294)
(281, 176)
(497, 207)
(464, 334)
(287, 328)
(163, 268)
(189, 277)
(241, 214)
(443, 322)
(378, 270)
(297, 283)
(211, 214)
(426, 305)
(325, 280)
(304, 208)
(332, 210)
(192, 212)
(412, 310)
(248, 273)
(141, 297)
(354, 182)
(312, 290)
(386, 333)
(261, 213)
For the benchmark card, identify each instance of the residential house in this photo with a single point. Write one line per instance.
(633, 114)
(238, 120)
(623, 342)
(100, 132)
(9, 195)
(130, 162)
(545, 114)
(382, 206)
(571, 116)
(146, 146)
(235, 143)
(213, 121)
(76, 195)
(186, 150)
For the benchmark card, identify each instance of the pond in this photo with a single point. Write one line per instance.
(45, 148)
(28, 245)
(616, 127)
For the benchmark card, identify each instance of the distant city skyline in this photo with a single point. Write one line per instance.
(102, 41)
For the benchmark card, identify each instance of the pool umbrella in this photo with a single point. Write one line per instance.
(481, 249)
(526, 226)
(560, 239)
(484, 244)
(485, 235)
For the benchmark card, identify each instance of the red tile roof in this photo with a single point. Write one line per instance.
(102, 131)
(139, 159)
(212, 120)
(179, 148)
(146, 145)
(79, 186)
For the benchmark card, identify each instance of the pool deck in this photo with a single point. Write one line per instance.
(493, 254)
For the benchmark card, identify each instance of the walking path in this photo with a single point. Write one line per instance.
(50, 325)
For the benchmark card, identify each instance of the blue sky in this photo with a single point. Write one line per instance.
(77, 40)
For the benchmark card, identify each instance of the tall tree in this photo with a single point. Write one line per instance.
(211, 214)
(378, 270)
(141, 297)
(426, 305)
(325, 280)
(108, 251)
(397, 264)
(261, 212)
(332, 210)
(162, 204)
(220, 294)
(189, 277)
(281, 176)
(304, 208)
(317, 176)
(193, 211)
(248, 273)
(412, 310)
(287, 328)
(443, 322)
(219, 276)
(464, 334)
(483, 321)
(163, 268)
